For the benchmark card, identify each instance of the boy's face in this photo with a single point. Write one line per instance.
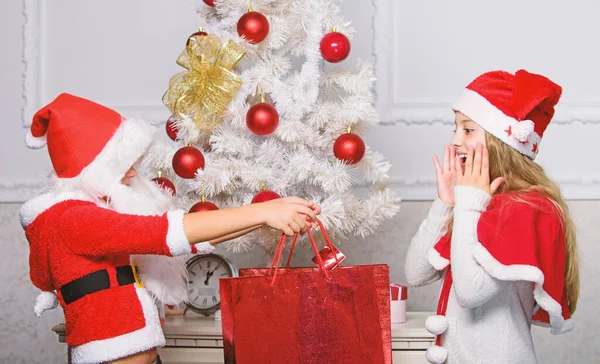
(468, 133)
(128, 176)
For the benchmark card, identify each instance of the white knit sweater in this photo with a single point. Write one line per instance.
(489, 321)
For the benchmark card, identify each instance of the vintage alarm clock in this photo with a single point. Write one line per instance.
(204, 272)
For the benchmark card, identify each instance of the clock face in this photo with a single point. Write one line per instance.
(204, 272)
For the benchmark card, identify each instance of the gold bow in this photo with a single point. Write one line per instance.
(203, 92)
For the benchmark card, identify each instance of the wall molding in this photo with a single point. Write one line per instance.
(19, 191)
(427, 113)
(32, 57)
(413, 113)
(34, 71)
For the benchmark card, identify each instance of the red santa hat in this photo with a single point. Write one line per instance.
(90, 145)
(514, 108)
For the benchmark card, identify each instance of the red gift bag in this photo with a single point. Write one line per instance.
(307, 315)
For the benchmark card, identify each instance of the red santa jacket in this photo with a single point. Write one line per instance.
(78, 241)
(522, 239)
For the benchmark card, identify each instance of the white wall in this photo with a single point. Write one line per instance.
(121, 54)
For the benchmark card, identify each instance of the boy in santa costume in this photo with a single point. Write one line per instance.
(100, 224)
(499, 233)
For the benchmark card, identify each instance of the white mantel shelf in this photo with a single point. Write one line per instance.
(196, 339)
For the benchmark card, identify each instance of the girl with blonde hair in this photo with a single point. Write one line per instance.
(499, 232)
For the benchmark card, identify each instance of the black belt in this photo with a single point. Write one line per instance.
(95, 282)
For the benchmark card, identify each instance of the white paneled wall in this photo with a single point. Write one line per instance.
(427, 52)
(122, 54)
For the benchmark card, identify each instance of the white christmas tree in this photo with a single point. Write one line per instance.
(284, 121)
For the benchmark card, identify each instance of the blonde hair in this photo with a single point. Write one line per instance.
(521, 174)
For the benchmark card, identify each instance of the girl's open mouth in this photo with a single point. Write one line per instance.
(463, 160)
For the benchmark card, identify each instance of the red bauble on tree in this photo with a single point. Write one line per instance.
(203, 206)
(253, 26)
(198, 33)
(264, 196)
(171, 129)
(335, 47)
(349, 147)
(209, 2)
(187, 161)
(262, 119)
(164, 183)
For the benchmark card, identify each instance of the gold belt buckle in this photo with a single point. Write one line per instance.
(135, 276)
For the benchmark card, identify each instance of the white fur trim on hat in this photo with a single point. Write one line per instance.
(35, 142)
(45, 301)
(517, 134)
(436, 354)
(126, 146)
(436, 324)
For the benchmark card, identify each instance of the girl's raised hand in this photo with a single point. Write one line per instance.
(477, 171)
(446, 175)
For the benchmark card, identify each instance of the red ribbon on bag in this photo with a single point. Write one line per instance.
(274, 269)
(331, 258)
(398, 292)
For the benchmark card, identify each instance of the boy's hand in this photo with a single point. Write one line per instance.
(477, 172)
(289, 217)
(297, 200)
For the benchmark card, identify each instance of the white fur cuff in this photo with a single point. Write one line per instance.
(204, 248)
(176, 238)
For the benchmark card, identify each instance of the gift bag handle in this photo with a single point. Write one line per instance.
(281, 245)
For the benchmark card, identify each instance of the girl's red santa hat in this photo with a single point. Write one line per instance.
(91, 146)
(514, 108)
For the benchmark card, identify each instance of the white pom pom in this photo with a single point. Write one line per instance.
(436, 354)
(436, 324)
(45, 301)
(35, 142)
(522, 130)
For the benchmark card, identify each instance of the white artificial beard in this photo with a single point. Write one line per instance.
(163, 276)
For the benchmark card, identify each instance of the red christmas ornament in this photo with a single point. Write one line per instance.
(187, 161)
(171, 129)
(203, 206)
(262, 119)
(253, 26)
(198, 33)
(264, 196)
(165, 183)
(335, 47)
(210, 2)
(349, 147)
